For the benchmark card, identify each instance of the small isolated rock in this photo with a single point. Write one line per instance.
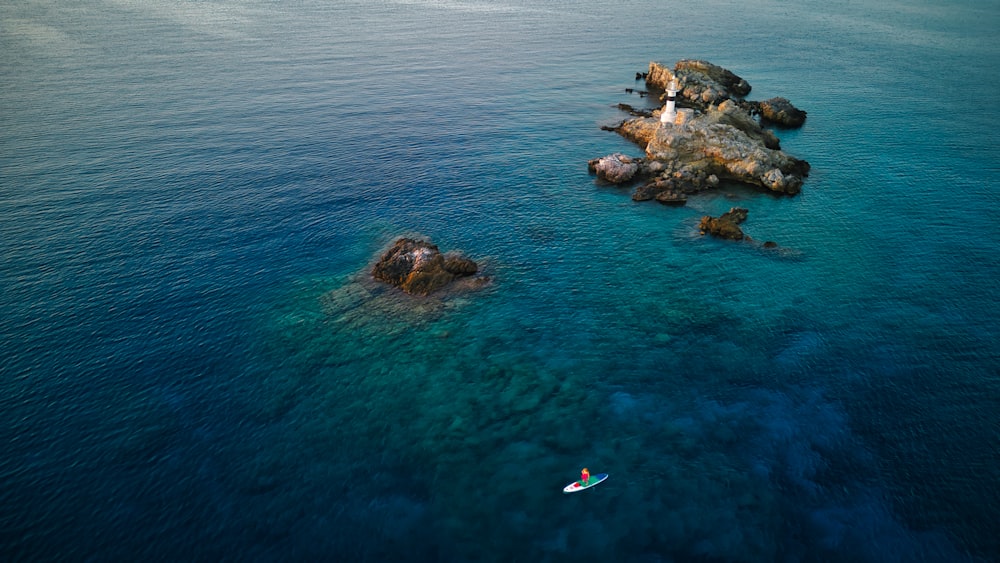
(615, 168)
(781, 112)
(725, 226)
(418, 267)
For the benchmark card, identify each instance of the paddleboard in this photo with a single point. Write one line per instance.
(576, 486)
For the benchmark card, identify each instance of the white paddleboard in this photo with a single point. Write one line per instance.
(575, 486)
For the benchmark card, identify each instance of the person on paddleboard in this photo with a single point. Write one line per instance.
(584, 477)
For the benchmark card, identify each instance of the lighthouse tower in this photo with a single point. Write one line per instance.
(669, 113)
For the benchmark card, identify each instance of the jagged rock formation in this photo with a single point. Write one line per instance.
(702, 83)
(779, 111)
(725, 226)
(615, 168)
(714, 138)
(419, 268)
(723, 143)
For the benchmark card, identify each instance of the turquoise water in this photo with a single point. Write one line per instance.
(196, 365)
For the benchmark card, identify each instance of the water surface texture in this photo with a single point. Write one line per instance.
(196, 365)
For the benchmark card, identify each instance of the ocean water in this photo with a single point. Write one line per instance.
(197, 366)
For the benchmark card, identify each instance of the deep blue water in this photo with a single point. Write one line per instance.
(195, 365)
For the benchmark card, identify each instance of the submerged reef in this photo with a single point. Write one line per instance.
(419, 268)
(715, 137)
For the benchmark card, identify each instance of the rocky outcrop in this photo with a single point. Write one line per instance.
(419, 268)
(721, 144)
(780, 112)
(701, 82)
(668, 191)
(637, 112)
(715, 138)
(726, 226)
(616, 168)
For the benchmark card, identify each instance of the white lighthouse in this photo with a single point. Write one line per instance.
(669, 114)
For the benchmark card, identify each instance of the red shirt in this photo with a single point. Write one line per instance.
(584, 476)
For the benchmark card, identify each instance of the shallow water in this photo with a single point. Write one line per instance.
(196, 365)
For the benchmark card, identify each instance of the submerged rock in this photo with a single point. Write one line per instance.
(418, 267)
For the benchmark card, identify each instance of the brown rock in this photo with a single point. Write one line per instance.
(459, 265)
(651, 190)
(701, 82)
(725, 226)
(418, 267)
(615, 168)
(670, 197)
(781, 112)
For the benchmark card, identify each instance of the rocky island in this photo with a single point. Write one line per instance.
(419, 268)
(713, 136)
